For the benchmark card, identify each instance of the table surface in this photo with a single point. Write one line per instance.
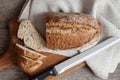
(11, 8)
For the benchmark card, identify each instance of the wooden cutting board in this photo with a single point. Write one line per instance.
(9, 59)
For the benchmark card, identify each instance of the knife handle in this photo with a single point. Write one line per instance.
(45, 75)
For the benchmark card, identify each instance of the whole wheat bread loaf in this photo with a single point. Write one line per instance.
(70, 30)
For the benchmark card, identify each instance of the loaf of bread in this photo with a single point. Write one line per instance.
(30, 36)
(70, 30)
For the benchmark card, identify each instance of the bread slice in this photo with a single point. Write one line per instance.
(30, 36)
(70, 30)
(23, 51)
(28, 65)
(27, 59)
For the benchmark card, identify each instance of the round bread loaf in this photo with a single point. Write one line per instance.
(70, 30)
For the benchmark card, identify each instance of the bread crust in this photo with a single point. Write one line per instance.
(71, 19)
(70, 30)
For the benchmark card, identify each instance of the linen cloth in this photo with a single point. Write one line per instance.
(106, 11)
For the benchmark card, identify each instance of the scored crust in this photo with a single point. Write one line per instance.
(70, 30)
(67, 19)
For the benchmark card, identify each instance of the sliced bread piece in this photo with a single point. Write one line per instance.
(30, 36)
(23, 51)
(28, 65)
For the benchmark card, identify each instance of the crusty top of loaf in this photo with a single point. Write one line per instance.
(72, 18)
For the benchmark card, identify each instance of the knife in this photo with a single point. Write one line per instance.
(77, 59)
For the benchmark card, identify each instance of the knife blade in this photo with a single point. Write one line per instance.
(77, 59)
